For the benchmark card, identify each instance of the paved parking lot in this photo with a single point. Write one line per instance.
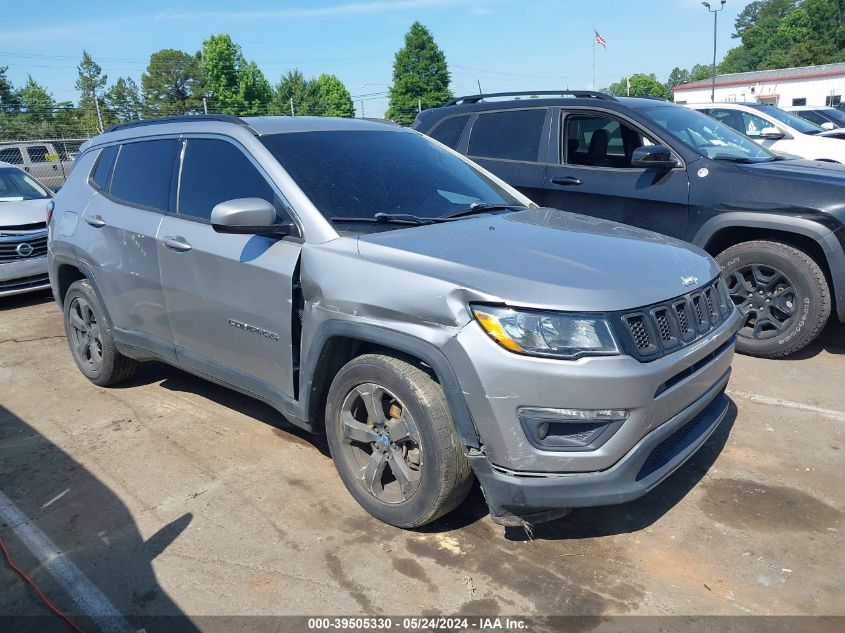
(174, 496)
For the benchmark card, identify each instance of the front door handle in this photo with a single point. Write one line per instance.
(567, 181)
(176, 243)
(96, 221)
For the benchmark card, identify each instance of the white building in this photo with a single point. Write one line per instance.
(808, 85)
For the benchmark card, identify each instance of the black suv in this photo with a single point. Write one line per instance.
(775, 225)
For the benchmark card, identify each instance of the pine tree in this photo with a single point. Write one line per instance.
(89, 83)
(420, 76)
(335, 99)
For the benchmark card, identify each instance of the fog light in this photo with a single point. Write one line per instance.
(570, 429)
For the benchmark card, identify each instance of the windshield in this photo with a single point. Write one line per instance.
(16, 186)
(708, 136)
(358, 173)
(795, 122)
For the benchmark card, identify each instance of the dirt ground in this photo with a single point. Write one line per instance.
(175, 496)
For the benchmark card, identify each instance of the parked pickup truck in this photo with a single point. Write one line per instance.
(42, 161)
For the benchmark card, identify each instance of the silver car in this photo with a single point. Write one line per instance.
(23, 232)
(373, 285)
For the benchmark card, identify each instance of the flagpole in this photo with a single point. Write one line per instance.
(594, 55)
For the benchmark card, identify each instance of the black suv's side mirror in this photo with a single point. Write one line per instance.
(247, 216)
(653, 157)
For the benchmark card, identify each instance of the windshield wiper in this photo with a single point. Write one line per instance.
(734, 159)
(481, 207)
(388, 218)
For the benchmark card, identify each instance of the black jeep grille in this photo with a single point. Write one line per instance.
(654, 331)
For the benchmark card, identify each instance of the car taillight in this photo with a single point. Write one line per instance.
(50, 206)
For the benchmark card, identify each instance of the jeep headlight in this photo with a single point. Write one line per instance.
(552, 334)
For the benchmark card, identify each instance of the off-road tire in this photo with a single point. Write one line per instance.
(114, 366)
(445, 475)
(812, 297)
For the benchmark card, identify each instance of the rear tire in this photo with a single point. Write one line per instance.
(782, 293)
(393, 441)
(89, 335)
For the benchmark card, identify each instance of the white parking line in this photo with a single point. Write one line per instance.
(788, 404)
(86, 596)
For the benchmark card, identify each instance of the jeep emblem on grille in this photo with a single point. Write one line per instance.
(689, 281)
(24, 249)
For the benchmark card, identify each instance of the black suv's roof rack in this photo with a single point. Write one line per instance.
(222, 118)
(581, 94)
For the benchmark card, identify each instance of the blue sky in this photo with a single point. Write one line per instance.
(504, 44)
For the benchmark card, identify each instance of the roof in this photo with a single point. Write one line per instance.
(768, 76)
(281, 124)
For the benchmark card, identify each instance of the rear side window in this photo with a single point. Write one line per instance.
(511, 135)
(143, 173)
(449, 130)
(102, 170)
(11, 155)
(215, 171)
(37, 153)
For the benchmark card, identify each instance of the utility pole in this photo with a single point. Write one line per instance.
(204, 105)
(715, 13)
(292, 113)
(362, 109)
(594, 55)
(99, 116)
(628, 84)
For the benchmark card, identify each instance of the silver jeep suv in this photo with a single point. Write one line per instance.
(375, 286)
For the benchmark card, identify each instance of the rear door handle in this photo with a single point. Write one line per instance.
(176, 243)
(567, 181)
(96, 221)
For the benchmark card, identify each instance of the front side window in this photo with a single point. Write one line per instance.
(743, 122)
(509, 135)
(449, 130)
(358, 173)
(11, 155)
(215, 171)
(16, 186)
(707, 135)
(143, 173)
(597, 140)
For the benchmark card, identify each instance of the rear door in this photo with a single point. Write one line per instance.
(593, 175)
(229, 297)
(513, 144)
(119, 235)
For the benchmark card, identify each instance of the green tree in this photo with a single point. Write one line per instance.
(172, 84)
(420, 76)
(89, 83)
(220, 61)
(677, 77)
(641, 85)
(254, 91)
(294, 86)
(335, 99)
(123, 100)
(9, 101)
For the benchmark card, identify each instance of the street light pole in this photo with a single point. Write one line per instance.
(715, 13)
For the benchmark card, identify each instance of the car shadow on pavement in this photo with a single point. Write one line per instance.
(831, 340)
(14, 302)
(91, 526)
(640, 513)
(181, 381)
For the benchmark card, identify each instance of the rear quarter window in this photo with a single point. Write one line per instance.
(143, 173)
(509, 135)
(102, 169)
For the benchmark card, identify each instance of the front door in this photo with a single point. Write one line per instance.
(228, 297)
(594, 176)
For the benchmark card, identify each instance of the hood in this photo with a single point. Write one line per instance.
(19, 212)
(816, 171)
(835, 133)
(546, 258)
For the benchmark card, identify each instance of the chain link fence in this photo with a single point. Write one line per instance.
(49, 160)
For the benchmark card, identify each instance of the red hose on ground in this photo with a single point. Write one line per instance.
(32, 584)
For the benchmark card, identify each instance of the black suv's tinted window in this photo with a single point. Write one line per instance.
(513, 134)
(216, 171)
(102, 170)
(449, 131)
(143, 173)
(597, 140)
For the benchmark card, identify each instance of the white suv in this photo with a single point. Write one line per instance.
(778, 130)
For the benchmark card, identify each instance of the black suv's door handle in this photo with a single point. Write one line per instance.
(567, 181)
(96, 221)
(176, 243)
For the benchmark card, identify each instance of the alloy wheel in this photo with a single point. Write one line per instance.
(85, 334)
(767, 299)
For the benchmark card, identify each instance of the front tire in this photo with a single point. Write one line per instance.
(393, 442)
(89, 335)
(782, 293)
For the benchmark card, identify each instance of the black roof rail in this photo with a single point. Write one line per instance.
(222, 118)
(583, 94)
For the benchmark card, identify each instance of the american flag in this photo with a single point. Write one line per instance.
(600, 40)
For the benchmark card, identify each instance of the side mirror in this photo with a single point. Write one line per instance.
(771, 133)
(653, 157)
(246, 216)
(828, 125)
